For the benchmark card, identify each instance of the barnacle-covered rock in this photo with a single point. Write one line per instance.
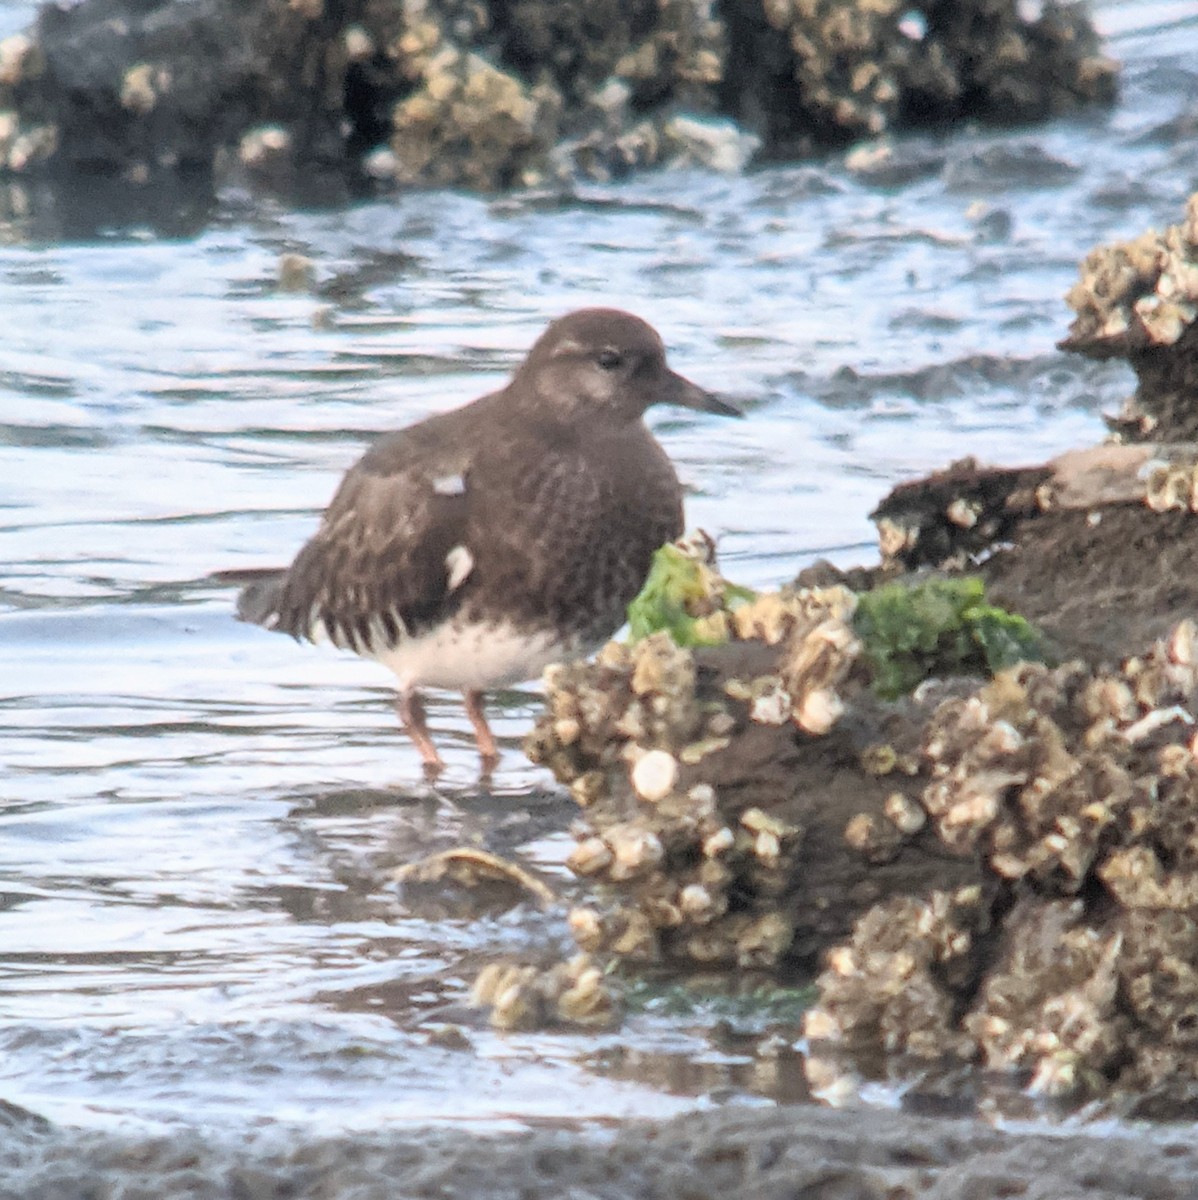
(467, 120)
(1013, 861)
(464, 92)
(525, 997)
(1088, 1005)
(487, 95)
(1138, 300)
(1158, 978)
(1010, 782)
(698, 798)
(1094, 548)
(1050, 1003)
(825, 70)
(658, 49)
(1078, 789)
(885, 989)
(919, 522)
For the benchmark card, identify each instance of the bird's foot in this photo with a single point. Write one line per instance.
(486, 768)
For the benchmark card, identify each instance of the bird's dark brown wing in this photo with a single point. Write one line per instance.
(383, 565)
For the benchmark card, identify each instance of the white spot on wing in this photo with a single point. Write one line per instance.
(459, 562)
(449, 485)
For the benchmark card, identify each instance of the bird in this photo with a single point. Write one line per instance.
(472, 549)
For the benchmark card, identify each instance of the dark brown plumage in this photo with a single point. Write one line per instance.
(475, 547)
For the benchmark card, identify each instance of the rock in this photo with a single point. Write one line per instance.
(573, 993)
(120, 88)
(1000, 871)
(727, 812)
(716, 144)
(489, 95)
(808, 72)
(1138, 300)
(468, 122)
(1115, 520)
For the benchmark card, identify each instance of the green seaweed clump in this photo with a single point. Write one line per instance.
(744, 1002)
(686, 597)
(940, 627)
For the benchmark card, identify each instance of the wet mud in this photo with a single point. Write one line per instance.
(752, 1154)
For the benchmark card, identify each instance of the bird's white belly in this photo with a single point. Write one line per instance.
(473, 656)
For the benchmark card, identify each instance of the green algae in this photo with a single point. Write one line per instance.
(686, 598)
(936, 628)
(909, 632)
(740, 1002)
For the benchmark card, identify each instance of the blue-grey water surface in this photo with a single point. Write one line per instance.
(198, 820)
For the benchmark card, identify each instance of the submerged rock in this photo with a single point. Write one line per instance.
(492, 881)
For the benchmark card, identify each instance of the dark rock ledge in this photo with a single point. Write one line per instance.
(495, 93)
(1002, 871)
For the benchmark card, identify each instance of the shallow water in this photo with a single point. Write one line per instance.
(198, 820)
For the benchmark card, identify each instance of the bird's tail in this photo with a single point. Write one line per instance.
(258, 600)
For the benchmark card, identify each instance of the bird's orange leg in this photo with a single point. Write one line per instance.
(482, 731)
(411, 716)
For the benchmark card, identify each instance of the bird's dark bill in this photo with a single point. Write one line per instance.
(691, 395)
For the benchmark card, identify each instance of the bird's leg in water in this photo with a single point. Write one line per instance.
(410, 707)
(482, 731)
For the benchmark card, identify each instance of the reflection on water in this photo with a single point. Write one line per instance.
(198, 820)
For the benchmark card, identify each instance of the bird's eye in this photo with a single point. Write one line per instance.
(610, 359)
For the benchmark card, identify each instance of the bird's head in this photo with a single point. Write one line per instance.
(604, 364)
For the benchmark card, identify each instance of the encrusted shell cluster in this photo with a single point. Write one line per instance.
(1041, 769)
(636, 735)
(686, 874)
(1017, 859)
(1138, 293)
(489, 120)
(884, 989)
(526, 997)
(1077, 791)
(466, 120)
(490, 95)
(813, 627)
(1138, 300)
(1172, 486)
(857, 63)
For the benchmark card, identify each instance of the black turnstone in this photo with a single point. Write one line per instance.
(474, 548)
